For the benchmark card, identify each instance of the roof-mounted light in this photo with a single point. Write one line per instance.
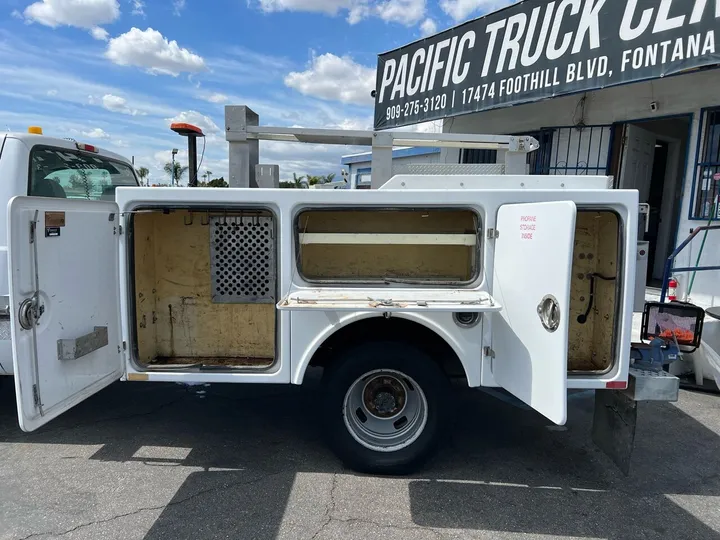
(35, 130)
(86, 147)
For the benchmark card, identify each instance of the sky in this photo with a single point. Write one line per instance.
(117, 73)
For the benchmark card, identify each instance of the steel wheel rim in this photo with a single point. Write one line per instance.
(385, 410)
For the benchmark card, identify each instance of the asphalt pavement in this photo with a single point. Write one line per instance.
(150, 461)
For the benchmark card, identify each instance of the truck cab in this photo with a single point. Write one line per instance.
(37, 165)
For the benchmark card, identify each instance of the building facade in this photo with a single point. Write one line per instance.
(358, 166)
(661, 137)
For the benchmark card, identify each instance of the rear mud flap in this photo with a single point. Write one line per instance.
(614, 423)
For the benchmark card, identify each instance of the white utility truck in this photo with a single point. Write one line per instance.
(40, 166)
(478, 272)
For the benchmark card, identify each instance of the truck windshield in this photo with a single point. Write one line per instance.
(67, 174)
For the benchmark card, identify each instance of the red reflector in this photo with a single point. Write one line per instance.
(616, 385)
(86, 147)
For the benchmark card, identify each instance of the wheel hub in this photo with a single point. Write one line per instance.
(385, 410)
(384, 397)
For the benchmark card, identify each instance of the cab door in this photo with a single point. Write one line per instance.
(531, 281)
(65, 303)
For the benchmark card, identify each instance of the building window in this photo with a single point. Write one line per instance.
(707, 168)
(571, 150)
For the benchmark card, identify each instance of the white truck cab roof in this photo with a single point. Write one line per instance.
(31, 139)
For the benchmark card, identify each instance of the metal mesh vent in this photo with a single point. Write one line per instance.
(242, 259)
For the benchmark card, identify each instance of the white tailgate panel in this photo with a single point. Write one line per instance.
(533, 259)
(78, 284)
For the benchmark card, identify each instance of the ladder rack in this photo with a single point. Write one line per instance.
(243, 132)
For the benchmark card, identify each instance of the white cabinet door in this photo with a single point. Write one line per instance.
(64, 285)
(531, 281)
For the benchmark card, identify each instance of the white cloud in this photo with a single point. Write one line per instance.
(99, 33)
(196, 119)
(428, 27)
(52, 92)
(217, 98)
(117, 104)
(150, 50)
(96, 133)
(357, 13)
(178, 6)
(138, 8)
(329, 7)
(335, 78)
(79, 13)
(406, 12)
(16, 14)
(459, 10)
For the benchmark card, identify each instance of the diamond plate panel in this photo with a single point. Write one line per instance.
(450, 168)
(242, 259)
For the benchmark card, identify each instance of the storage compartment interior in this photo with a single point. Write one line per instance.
(204, 288)
(594, 292)
(432, 245)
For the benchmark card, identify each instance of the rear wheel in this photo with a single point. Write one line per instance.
(385, 405)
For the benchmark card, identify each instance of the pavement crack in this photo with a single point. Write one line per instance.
(153, 508)
(329, 508)
(388, 525)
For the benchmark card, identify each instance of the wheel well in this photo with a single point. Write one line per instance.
(394, 329)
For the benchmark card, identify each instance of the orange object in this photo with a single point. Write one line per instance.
(682, 335)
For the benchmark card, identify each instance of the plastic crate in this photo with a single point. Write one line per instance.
(679, 320)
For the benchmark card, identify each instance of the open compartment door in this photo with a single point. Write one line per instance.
(65, 303)
(531, 281)
(367, 299)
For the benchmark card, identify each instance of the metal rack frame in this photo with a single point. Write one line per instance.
(243, 133)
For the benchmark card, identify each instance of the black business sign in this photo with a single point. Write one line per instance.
(538, 49)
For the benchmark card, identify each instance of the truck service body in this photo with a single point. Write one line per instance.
(393, 291)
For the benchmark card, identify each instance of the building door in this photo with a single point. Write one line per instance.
(649, 156)
(637, 161)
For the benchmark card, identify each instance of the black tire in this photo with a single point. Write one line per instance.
(353, 363)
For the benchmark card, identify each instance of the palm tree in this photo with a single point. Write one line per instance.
(177, 174)
(297, 180)
(143, 173)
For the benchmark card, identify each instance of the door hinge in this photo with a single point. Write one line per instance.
(487, 351)
(36, 396)
(117, 230)
(492, 234)
(124, 345)
(32, 232)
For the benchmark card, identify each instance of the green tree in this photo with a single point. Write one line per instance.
(143, 173)
(178, 172)
(295, 183)
(217, 182)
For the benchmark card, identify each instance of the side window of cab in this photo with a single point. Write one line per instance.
(68, 174)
